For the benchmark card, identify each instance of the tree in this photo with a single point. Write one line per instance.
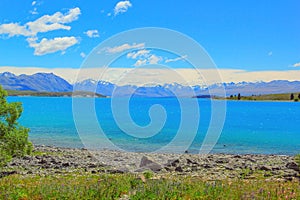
(13, 137)
(239, 96)
(299, 96)
(292, 96)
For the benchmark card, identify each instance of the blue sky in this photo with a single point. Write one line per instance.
(243, 34)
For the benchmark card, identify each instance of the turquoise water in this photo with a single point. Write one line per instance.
(250, 127)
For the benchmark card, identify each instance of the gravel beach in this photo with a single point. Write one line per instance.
(48, 160)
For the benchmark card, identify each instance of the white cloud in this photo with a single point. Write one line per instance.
(296, 64)
(13, 29)
(140, 62)
(153, 59)
(92, 33)
(122, 7)
(124, 47)
(50, 46)
(53, 22)
(140, 53)
(43, 24)
(82, 54)
(176, 59)
(108, 14)
(144, 57)
(33, 3)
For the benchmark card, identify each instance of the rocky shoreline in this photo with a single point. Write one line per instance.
(48, 160)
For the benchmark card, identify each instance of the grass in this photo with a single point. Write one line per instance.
(104, 186)
(268, 97)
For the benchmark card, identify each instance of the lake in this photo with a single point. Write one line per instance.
(250, 127)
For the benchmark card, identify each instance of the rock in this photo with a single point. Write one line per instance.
(43, 162)
(147, 163)
(222, 160)
(276, 168)
(265, 168)
(237, 156)
(228, 168)
(142, 169)
(27, 158)
(92, 165)
(67, 164)
(207, 166)
(293, 165)
(155, 167)
(173, 163)
(191, 162)
(179, 169)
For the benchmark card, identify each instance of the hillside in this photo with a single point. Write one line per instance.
(53, 94)
(268, 97)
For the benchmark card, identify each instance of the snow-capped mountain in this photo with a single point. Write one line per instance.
(48, 82)
(51, 83)
(175, 89)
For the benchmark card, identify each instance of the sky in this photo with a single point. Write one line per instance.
(251, 36)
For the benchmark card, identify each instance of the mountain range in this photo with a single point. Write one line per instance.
(49, 82)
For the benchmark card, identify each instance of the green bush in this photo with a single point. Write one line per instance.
(13, 137)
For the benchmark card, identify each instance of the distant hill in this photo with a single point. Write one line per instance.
(49, 82)
(53, 94)
(268, 97)
(175, 89)
(42, 82)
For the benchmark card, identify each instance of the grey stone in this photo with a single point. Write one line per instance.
(293, 165)
(179, 169)
(154, 167)
(173, 162)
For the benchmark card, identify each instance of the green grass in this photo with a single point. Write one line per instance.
(103, 186)
(51, 94)
(268, 97)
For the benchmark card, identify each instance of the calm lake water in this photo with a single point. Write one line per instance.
(250, 127)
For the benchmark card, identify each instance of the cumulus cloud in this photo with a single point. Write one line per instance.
(176, 59)
(53, 22)
(296, 64)
(43, 24)
(14, 29)
(144, 57)
(124, 47)
(153, 59)
(46, 46)
(140, 62)
(33, 3)
(92, 33)
(135, 55)
(122, 7)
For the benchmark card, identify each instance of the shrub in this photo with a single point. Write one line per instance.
(13, 137)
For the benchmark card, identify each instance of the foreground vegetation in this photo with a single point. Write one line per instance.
(145, 186)
(13, 137)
